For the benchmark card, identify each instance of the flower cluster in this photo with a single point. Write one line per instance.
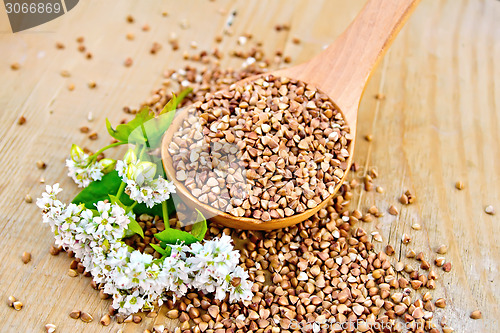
(213, 268)
(83, 169)
(134, 279)
(142, 186)
(78, 228)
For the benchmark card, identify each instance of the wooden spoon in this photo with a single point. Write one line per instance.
(341, 71)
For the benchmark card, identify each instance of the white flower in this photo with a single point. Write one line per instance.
(119, 255)
(49, 198)
(126, 167)
(141, 183)
(134, 279)
(212, 265)
(133, 303)
(243, 291)
(174, 275)
(110, 224)
(216, 254)
(82, 170)
(52, 209)
(121, 167)
(151, 193)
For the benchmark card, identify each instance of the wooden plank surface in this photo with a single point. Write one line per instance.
(438, 124)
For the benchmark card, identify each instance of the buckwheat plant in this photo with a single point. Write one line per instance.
(94, 225)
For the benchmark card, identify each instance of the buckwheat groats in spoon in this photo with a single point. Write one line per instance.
(267, 149)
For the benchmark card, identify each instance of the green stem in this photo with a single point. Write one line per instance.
(145, 134)
(132, 207)
(142, 153)
(164, 210)
(120, 190)
(97, 153)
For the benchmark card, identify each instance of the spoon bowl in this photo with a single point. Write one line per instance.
(341, 71)
(223, 218)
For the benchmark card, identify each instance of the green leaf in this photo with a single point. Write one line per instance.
(135, 227)
(123, 131)
(199, 228)
(110, 183)
(164, 252)
(175, 101)
(151, 132)
(140, 135)
(98, 190)
(170, 106)
(176, 236)
(145, 128)
(143, 209)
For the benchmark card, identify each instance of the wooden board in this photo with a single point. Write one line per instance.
(438, 124)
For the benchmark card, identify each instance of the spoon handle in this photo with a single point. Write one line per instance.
(343, 68)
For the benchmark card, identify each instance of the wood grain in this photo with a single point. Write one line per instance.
(438, 124)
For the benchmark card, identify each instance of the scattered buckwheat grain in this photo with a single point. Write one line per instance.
(128, 62)
(26, 257)
(86, 317)
(393, 210)
(405, 238)
(41, 164)
(442, 249)
(17, 305)
(28, 198)
(476, 314)
(11, 300)
(489, 210)
(75, 314)
(50, 328)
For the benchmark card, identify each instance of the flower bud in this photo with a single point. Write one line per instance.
(131, 168)
(129, 157)
(77, 153)
(145, 171)
(107, 165)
